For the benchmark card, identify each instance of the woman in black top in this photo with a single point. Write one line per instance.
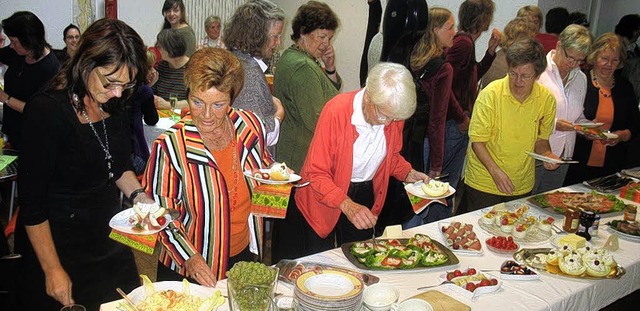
(31, 66)
(75, 160)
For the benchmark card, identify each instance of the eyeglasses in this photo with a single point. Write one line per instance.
(276, 37)
(112, 86)
(571, 59)
(523, 77)
(382, 117)
(72, 37)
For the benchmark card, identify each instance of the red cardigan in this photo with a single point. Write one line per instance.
(329, 163)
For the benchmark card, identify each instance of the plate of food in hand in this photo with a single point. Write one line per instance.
(416, 253)
(595, 132)
(588, 125)
(172, 295)
(518, 223)
(141, 219)
(573, 259)
(433, 190)
(559, 201)
(472, 282)
(460, 238)
(278, 174)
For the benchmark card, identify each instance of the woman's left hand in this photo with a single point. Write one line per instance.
(415, 176)
(494, 41)
(198, 270)
(623, 135)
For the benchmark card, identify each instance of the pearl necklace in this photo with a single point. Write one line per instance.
(105, 145)
(598, 86)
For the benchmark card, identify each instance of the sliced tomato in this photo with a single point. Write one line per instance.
(391, 262)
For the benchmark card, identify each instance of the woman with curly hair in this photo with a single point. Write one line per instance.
(306, 79)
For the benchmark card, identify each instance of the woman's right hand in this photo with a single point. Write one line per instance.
(502, 180)
(58, 285)
(198, 270)
(564, 125)
(360, 216)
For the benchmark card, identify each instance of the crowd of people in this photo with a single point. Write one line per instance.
(427, 109)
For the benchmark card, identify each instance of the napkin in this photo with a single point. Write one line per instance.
(270, 200)
(419, 204)
(143, 243)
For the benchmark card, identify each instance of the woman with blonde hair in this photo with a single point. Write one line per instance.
(610, 99)
(436, 76)
(515, 29)
(533, 15)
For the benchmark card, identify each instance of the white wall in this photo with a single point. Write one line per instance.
(54, 14)
(611, 12)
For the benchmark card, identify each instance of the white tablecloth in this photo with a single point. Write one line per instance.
(550, 292)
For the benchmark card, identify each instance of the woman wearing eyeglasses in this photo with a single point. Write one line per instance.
(512, 116)
(355, 149)
(74, 164)
(569, 86)
(306, 79)
(30, 66)
(610, 100)
(71, 37)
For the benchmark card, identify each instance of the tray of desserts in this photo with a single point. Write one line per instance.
(519, 223)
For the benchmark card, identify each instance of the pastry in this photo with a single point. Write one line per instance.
(279, 171)
(520, 230)
(572, 265)
(597, 268)
(554, 256)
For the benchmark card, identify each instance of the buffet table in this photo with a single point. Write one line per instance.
(550, 292)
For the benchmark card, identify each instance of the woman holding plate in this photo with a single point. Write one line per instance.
(354, 151)
(68, 195)
(610, 99)
(197, 168)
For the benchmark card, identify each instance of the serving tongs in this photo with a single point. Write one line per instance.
(127, 299)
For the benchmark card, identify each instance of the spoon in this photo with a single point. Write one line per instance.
(304, 184)
(126, 298)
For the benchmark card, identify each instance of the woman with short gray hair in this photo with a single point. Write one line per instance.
(353, 153)
(569, 86)
(213, 28)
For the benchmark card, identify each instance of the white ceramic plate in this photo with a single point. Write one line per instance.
(519, 277)
(416, 189)
(550, 160)
(121, 223)
(610, 135)
(589, 124)
(479, 290)
(138, 294)
(555, 241)
(624, 235)
(292, 178)
(329, 284)
(458, 251)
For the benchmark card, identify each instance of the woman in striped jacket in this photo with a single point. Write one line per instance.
(196, 167)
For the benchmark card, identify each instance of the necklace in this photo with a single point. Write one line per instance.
(594, 79)
(234, 169)
(295, 46)
(105, 145)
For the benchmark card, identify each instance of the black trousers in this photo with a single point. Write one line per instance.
(293, 237)
(474, 199)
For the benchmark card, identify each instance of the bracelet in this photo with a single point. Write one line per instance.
(330, 72)
(135, 193)
(7, 100)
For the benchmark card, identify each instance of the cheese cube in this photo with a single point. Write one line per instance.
(573, 240)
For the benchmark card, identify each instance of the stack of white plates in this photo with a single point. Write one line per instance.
(328, 289)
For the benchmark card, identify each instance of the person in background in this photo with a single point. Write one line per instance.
(355, 148)
(610, 100)
(264, 20)
(427, 63)
(141, 107)
(68, 194)
(533, 14)
(373, 28)
(30, 66)
(306, 79)
(175, 17)
(579, 18)
(196, 167)
(474, 18)
(515, 29)
(555, 22)
(71, 37)
(170, 91)
(512, 116)
(628, 28)
(213, 28)
(569, 86)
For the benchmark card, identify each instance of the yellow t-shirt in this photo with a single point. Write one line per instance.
(509, 129)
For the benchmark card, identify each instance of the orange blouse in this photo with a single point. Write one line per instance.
(604, 115)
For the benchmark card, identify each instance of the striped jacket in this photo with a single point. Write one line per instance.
(183, 174)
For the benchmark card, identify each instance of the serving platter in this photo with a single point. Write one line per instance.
(481, 290)
(292, 177)
(468, 252)
(451, 258)
(120, 222)
(557, 202)
(536, 258)
(416, 189)
(635, 238)
(139, 294)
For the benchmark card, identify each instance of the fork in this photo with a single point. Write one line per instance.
(436, 285)
(373, 237)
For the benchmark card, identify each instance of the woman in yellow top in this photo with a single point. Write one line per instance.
(511, 116)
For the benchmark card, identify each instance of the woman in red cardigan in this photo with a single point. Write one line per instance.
(355, 148)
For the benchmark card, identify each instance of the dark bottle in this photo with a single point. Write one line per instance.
(586, 221)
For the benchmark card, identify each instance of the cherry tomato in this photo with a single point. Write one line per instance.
(450, 276)
(161, 220)
(493, 282)
(470, 287)
(457, 273)
(471, 271)
(484, 282)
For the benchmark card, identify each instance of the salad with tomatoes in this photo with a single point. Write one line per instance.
(418, 251)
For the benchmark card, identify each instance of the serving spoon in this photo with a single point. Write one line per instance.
(126, 298)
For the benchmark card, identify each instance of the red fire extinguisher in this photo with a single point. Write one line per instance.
(111, 8)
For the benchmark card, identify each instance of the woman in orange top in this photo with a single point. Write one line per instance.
(610, 100)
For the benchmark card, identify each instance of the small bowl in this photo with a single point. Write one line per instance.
(502, 251)
(414, 304)
(380, 297)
